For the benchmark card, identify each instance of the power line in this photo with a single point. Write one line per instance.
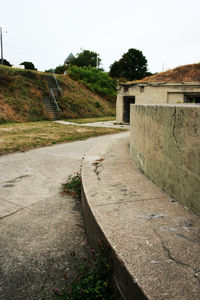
(28, 50)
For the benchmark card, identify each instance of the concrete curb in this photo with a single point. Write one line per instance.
(154, 240)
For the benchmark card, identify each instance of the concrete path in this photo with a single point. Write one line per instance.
(108, 124)
(39, 227)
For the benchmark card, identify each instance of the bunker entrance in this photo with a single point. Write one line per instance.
(128, 100)
(192, 98)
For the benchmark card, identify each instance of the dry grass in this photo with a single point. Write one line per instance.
(187, 73)
(22, 91)
(23, 136)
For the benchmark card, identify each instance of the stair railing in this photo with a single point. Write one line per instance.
(58, 87)
(53, 98)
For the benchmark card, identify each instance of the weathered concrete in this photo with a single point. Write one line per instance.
(165, 144)
(154, 240)
(38, 227)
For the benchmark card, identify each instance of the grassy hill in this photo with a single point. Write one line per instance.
(186, 73)
(22, 91)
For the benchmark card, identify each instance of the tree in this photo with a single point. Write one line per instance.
(60, 69)
(28, 65)
(6, 63)
(132, 66)
(49, 70)
(86, 58)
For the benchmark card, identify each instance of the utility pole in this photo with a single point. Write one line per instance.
(1, 45)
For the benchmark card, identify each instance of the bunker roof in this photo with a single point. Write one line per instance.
(186, 74)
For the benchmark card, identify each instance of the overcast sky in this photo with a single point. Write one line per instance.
(46, 31)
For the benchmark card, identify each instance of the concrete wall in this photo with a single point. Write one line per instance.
(169, 93)
(165, 145)
(119, 109)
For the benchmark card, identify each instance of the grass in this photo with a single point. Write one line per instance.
(91, 120)
(23, 136)
(186, 73)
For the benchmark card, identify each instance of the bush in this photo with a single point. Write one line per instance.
(96, 80)
(60, 69)
(6, 63)
(28, 65)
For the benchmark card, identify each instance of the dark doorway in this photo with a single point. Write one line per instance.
(128, 100)
(192, 98)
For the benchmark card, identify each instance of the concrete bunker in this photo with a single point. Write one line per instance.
(180, 85)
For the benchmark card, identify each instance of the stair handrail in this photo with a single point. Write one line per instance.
(56, 81)
(54, 99)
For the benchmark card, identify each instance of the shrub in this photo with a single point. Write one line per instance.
(28, 65)
(96, 80)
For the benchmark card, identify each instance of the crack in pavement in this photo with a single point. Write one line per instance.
(12, 213)
(11, 183)
(10, 202)
(169, 255)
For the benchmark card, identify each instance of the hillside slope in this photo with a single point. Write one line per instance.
(22, 91)
(186, 73)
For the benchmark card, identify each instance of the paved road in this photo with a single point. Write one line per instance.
(39, 227)
(108, 124)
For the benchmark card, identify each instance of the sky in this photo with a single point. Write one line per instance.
(45, 32)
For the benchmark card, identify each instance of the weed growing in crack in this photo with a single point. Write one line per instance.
(72, 186)
(92, 279)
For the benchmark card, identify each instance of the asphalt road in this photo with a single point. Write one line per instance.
(39, 228)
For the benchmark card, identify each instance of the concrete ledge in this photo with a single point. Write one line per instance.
(154, 240)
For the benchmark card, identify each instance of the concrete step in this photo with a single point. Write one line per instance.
(154, 240)
(50, 107)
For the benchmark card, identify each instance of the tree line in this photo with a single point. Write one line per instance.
(131, 66)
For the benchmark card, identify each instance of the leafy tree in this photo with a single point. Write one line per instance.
(86, 58)
(60, 69)
(132, 66)
(49, 70)
(28, 65)
(116, 69)
(6, 63)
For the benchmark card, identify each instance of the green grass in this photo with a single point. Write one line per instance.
(23, 136)
(91, 120)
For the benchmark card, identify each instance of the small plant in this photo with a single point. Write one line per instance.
(92, 279)
(73, 185)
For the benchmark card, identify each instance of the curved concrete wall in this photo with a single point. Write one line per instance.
(165, 145)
